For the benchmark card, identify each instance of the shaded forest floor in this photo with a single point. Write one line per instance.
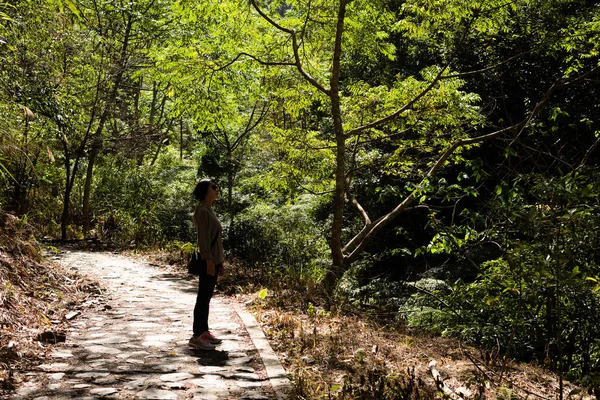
(328, 354)
(36, 300)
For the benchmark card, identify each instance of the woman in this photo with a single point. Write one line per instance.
(210, 245)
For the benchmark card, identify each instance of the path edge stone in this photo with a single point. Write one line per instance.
(276, 373)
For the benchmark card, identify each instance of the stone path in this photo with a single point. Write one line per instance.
(134, 346)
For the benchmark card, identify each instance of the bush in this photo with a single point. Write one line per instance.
(147, 205)
(282, 238)
(367, 293)
(539, 301)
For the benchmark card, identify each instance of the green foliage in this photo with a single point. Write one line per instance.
(539, 301)
(377, 293)
(150, 204)
(186, 248)
(262, 294)
(284, 238)
(291, 166)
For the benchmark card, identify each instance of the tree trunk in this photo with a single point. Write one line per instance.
(338, 263)
(88, 187)
(180, 139)
(230, 179)
(65, 218)
(69, 182)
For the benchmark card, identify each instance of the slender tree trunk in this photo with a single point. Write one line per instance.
(338, 199)
(338, 262)
(71, 173)
(22, 175)
(153, 108)
(65, 217)
(180, 139)
(160, 142)
(230, 179)
(88, 187)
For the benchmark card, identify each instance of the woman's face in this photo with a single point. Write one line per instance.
(213, 192)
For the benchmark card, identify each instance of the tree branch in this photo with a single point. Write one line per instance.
(247, 128)
(305, 24)
(219, 141)
(361, 210)
(587, 154)
(479, 71)
(440, 382)
(255, 58)
(269, 19)
(301, 186)
(579, 78)
(396, 113)
(352, 199)
(367, 234)
(250, 126)
(465, 142)
(295, 46)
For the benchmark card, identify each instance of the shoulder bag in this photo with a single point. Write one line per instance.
(196, 263)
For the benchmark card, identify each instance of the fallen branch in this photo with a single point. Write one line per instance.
(440, 382)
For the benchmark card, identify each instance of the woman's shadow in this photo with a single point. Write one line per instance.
(213, 358)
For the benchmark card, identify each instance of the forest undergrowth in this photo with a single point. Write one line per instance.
(35, 298)
(335, 352)
(347, 353)
(341, 352)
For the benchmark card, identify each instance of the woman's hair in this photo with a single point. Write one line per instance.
(201, 189)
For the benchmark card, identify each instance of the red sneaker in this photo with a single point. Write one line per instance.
(200, 343)
(210, 338)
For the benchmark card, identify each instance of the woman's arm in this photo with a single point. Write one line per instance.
(202, 222)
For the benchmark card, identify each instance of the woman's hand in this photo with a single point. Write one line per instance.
(221, 269)
(210, 267)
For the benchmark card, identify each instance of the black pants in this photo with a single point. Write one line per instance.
(206, 287)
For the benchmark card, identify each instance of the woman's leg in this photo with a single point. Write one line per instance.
(206, 288)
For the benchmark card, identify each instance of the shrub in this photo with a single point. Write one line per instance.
(284, 238)
(538, 301)
(147, 205)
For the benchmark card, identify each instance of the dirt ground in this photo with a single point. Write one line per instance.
(325, 352)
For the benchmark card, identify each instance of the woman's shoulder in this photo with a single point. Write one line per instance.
(200, 209)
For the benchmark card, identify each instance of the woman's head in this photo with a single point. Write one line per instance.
(203, 188)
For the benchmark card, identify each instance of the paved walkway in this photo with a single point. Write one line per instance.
(132, 343)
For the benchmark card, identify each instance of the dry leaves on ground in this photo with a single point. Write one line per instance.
(348, 356)
(35, 296)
